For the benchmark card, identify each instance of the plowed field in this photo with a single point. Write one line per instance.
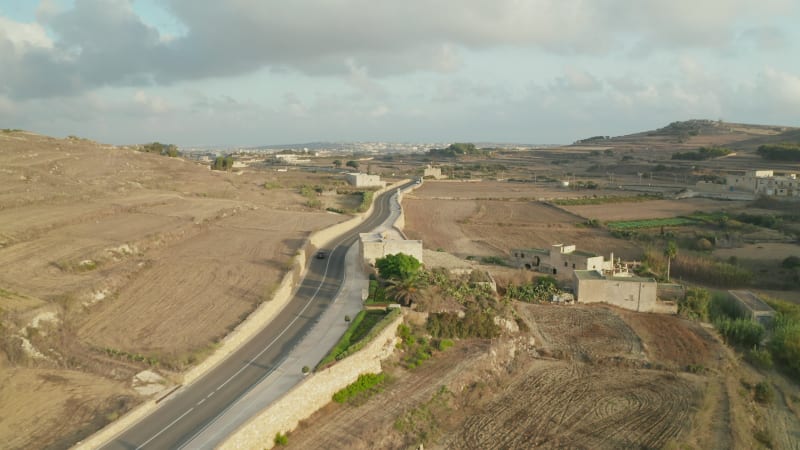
(588, 381)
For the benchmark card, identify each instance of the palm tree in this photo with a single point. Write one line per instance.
(670, 252)
(406, 290)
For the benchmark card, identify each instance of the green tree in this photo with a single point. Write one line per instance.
(399, 266)
(695, 304)
(337, 163)
(671, 251)
(353, 164)
(406, 290)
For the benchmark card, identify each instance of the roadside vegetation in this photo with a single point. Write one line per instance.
(366, 385)
(363, 328)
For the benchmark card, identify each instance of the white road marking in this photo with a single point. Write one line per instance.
(165, 428)
(324, 276)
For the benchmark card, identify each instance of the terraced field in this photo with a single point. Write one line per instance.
(580, 406)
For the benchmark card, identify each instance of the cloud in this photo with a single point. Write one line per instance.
(576, 80)
(152, 104)
(23, 36)
(104, 43)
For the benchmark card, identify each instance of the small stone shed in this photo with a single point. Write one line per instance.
(753, 307)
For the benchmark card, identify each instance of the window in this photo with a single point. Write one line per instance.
(573, 265)
(565, 264)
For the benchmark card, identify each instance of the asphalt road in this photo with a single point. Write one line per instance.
(189, 410)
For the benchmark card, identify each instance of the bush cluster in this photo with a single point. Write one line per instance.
(703, 153)
(365, 385)
(742, 332)
(780, 152)
(477, 324)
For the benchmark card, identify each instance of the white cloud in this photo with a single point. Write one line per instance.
(577, 80)
(24, 36)
(780, 87)
(153, 104)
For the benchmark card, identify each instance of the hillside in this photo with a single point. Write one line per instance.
(113, 262)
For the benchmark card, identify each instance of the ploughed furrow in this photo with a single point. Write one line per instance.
(558, 405)
(363, 425)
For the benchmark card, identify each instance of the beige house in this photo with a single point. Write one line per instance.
(560, 260)
(364, 180)
(378, 245)
(433, 172)
(765, 182)
(629, 292)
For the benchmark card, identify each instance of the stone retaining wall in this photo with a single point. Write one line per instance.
(400, 223)
(246, 330)
(313, 393)
(323, 237)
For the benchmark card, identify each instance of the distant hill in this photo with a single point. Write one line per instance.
(698, 133)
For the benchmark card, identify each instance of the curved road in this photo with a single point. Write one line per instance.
(185, 413)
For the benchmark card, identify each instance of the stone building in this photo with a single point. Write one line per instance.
(433, 172)
(378, 245)
(765, 182)
(560, 260)
(629, 292)
(753, 307)
(364, 180)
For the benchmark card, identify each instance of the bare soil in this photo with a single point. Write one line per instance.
(136, 261)
(652, 209)
(495, 227)
(580, 377)
(765, 251)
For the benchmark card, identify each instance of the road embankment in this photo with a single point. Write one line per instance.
(313, 393)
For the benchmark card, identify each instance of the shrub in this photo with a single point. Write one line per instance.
(791, 262)
(496, 260)
(695, 304)
(785, 342)
(444, 344)
(365, 385)
(306, 369)
(763, 392)
(475, 323)
(281, 439)
(742, 332)
(760, 358)
(695, 368)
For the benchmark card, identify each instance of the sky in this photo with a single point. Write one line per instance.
(257, 72)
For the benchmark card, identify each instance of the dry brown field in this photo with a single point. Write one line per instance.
(495, 227)
(499, 190)
(581, 377)
(764, 251)
(114, 261)
(652, 209)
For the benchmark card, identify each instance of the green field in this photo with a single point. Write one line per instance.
(650, 223)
